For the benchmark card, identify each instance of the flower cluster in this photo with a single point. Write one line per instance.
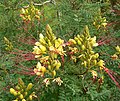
(115, 56)
(83, 44)
(30, 13)
(81, 48)
(47, 51)
(21, 92)
(100, 22)
(8, 44)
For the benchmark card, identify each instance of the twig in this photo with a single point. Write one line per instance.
(41, 4)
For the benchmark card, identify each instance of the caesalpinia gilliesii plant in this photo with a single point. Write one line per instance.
(81, 48)
(30, 13)
(47, 51)
(22, 92)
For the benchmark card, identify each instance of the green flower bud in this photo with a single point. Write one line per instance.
(83, 47)
(84, 63)
(79, 42)
(76, 39)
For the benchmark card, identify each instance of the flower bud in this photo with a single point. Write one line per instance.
(30, 98)
(76, 39)
(83, 47)
(58, 65)
(25, 93)
(84, 63)
(19, 92)
(17, 87)
(118, 48)
(72, 41)
(49, 67)
(43, 69)
(12, 90)
(15, 93)
(101, 63)
(23, 100)
(21, 96)
(48, 29)
(42, 48)
(15, 100)
(79, 42)
(30, 85)
(53, 73)
(94, 62)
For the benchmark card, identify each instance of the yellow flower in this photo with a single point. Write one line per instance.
(117, 48)
(39, 70)
(72, 41)
(58, 81)
(101, 63)
(94, 73)
(36, 50)
(46, 81)
(42, 40)
(93, 41)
